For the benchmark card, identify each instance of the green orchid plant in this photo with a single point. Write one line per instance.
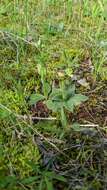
(61, 99)
(64, 98)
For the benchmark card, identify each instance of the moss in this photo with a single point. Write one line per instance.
(21, 156)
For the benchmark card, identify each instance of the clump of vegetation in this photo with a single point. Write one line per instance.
(53, 112)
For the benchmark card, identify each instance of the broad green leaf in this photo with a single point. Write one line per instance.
(77, 99)
(58, 98)
(70, 91)
(34, 98)
(56, 92)
(53, 105)
(69, 106)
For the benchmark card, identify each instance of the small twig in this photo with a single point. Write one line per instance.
(25, 117)
(89, 125)
(96, 126)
